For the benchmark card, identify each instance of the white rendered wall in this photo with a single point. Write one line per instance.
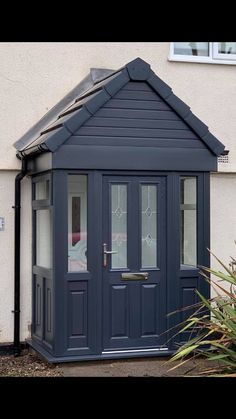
(7, 257)
(223, 218)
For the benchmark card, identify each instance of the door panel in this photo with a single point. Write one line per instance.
(134, 226)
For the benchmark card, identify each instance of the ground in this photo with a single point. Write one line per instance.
(29, 364)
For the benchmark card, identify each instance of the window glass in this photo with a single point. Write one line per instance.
(43, 238)
(188, 220)
(149, 226)
(192, 48)
(227, 47)
(119, 226)
(42, 189)
(77, 223)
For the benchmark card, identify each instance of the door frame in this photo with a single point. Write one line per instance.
(175, 276)
(134, 259)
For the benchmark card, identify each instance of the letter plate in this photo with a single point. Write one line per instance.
(139, 276)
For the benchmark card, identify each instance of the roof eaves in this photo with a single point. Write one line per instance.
(57, 138)
(37, 149)
(213, 143)
(49, 141)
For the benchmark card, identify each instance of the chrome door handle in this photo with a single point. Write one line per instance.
(105, 253)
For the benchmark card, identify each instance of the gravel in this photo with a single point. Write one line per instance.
(27, 365)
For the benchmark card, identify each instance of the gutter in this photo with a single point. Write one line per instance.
(17, 208)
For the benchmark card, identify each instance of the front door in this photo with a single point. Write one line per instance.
(134, 263)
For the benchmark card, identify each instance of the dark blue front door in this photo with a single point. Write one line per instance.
(134, 263)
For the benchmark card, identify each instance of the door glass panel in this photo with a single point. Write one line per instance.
(149, 226)
(119, 226)
(188, 220)
(77, 223)
(43, 238)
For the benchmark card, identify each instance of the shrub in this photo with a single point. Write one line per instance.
(214, 323)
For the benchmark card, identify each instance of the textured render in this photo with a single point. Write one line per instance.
(7, 257)
(223, 218)
(35, 76)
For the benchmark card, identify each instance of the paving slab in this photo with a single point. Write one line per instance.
(139, 367)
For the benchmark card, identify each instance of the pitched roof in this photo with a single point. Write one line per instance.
(75, 112)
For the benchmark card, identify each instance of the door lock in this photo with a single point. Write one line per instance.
(105, 253)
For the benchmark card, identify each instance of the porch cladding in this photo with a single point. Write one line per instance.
(136, 116)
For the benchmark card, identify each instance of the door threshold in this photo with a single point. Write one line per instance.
(106, 355)
(127, 351)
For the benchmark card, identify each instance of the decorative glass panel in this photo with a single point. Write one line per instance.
(192, 48)
(149, 226)
(227, 47)
(42, 189)
(43, 238)
(119, 226)
(77, 223)
(188, 220)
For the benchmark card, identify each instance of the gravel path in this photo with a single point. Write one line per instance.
(27, 365)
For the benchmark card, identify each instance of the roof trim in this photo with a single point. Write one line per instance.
(69, 119)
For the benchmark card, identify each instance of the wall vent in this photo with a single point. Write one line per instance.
(224, 158)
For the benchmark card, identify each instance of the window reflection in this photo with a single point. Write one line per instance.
(192, 48)
(77, 223)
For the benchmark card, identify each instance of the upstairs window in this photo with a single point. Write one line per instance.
(204, 52)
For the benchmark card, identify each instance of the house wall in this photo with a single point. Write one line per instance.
(223, 218)
(35, 76)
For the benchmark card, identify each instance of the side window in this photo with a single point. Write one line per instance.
(42, 220)
(188, 220)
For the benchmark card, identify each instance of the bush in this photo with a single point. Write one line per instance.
(214, 323)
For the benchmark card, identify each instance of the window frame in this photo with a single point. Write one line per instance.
(220, 56)
(41, 204)
(183, 207)
(214, 56)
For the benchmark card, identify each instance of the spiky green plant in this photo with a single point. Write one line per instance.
(214, 323)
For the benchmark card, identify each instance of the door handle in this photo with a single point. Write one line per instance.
(105, 253)
(135, 276)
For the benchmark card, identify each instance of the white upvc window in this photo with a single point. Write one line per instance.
(204, 52)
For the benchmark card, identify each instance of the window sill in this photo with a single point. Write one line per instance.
(203, 60)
